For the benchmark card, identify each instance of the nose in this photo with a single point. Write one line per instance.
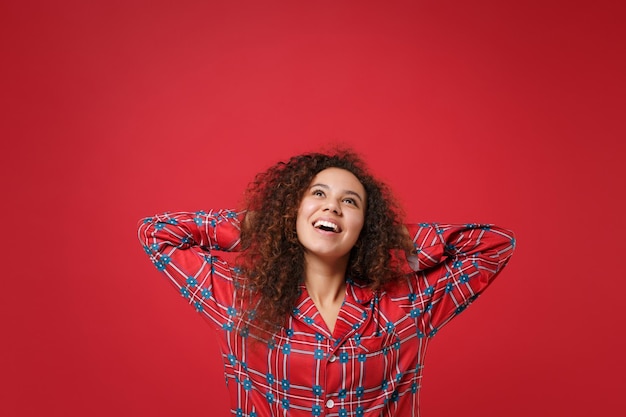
(333, 206)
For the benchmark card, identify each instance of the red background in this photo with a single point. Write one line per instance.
(483, 111)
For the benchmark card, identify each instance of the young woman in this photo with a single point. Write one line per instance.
(331, 303)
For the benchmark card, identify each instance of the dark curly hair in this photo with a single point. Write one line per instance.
(273, 259)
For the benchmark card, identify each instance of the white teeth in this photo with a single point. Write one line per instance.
(325, 224)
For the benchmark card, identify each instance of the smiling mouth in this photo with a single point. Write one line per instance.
(326, 226)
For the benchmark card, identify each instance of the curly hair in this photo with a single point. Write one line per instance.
(273, 258)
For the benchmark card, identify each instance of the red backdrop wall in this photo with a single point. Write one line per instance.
(114, 110)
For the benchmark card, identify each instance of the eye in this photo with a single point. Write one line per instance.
(318, 193)
(351, 201)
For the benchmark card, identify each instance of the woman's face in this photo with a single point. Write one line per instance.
(331, 214)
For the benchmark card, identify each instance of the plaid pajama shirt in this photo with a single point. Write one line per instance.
(371, 364)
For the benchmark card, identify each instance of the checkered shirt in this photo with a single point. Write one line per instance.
(371, 364)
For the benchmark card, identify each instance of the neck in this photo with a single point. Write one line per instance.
(325, 279)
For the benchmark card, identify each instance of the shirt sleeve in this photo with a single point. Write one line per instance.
(181, 245)
(453, 265)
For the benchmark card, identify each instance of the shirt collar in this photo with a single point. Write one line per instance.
(359, 293)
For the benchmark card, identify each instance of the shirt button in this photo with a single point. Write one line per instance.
(330, 404)
(332, 358)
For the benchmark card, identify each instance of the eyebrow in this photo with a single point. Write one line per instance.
(349, 192)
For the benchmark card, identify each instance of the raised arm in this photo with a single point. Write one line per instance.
(453, 264)
(181, 246)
